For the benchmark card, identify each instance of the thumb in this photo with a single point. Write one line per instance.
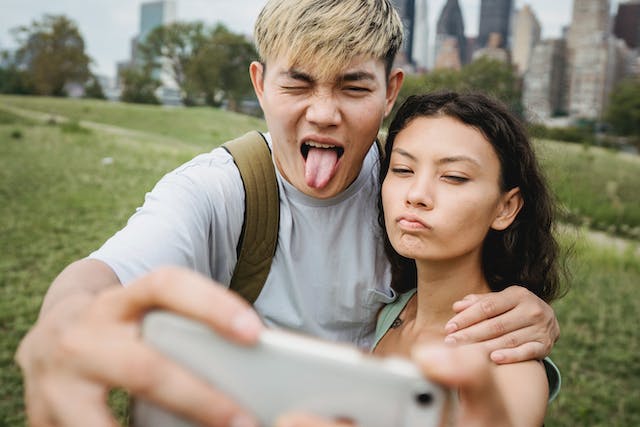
(469, 370)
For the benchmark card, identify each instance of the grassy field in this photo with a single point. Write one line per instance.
(65, 188)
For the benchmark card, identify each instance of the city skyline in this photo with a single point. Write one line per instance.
(108, 26)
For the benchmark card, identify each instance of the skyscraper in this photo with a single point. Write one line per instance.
(526, 33)
(154, 14)
(406, 10)
(495, 17)
(450, 34)
(420, 51)
(627, 23)
(590, 58)
(543, 92)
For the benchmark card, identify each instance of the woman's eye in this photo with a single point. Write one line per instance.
(456, 179)
(401, 171)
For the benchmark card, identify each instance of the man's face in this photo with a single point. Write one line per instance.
(322, 129)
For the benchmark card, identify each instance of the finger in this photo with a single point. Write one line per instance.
(296, 419)
(149, 375)
(187, 293)
(465, 302)
(495, 327)
(484, 307)
(528, 351)
(517, 339)
(467, 370)
(449, 366)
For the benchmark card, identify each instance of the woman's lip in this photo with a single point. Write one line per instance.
(411, 222)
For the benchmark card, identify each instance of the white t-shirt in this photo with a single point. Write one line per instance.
(329, 276)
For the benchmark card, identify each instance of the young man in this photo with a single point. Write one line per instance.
(325, 82)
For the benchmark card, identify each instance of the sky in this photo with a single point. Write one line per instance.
(107, 26)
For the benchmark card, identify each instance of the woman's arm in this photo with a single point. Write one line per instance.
(525, 391)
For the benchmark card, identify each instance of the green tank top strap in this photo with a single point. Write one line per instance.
(389, 313)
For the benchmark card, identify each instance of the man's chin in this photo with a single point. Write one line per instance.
(326, 191)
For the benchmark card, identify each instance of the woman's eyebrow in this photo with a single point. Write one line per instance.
(404, 153)
(455, 159)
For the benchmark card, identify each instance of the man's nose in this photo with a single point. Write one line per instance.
(324, 110)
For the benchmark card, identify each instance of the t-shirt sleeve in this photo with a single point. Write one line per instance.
(192, 218)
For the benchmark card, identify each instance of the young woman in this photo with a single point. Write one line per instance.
(466, 211)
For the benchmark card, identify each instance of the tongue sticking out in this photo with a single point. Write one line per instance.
(320, 166)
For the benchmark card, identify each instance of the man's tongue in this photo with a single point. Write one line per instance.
(320, 166)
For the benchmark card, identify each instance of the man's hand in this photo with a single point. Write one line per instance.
(85, 344)
(514, 324)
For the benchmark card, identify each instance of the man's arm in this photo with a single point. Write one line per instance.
(514, 324)
(83, 277)
(87, 341)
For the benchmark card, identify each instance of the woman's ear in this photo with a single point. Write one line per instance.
(510, 204)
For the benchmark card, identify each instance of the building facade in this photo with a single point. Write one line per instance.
(406, 10)
(450, 37)
(526, 34)
(495, 17)
(544, 81)
(420, 53)
(153, 15)
(626, 25)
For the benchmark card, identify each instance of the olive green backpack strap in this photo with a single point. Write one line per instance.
(259, 236)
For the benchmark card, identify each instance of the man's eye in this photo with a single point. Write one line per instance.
(294, 88)
(359, 89)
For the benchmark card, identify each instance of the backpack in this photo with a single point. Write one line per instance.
(259, 236)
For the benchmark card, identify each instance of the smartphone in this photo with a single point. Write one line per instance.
(286, 371)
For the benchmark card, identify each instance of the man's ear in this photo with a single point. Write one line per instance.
(510, 204)
(256, 72)
(396, 77)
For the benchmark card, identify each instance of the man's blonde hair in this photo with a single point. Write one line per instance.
(328, 33)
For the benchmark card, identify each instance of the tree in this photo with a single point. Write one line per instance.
(623, 112)
(52, 53)
(174, 45)
(219, 69)
(209, 65)
(93, 89)
(489, 76)
(496, 78)
(139, 86)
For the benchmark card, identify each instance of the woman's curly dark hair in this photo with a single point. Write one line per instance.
(525, 253)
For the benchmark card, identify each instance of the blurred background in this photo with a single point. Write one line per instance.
(99, 99)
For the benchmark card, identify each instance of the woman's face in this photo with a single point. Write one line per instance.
(441, 194)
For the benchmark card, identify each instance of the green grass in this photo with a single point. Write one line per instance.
(59, 200)
(200, 126)
(598, 188)
(599, 349)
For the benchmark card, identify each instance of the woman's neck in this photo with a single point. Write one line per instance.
(442, 283)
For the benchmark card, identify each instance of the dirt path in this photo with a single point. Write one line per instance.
(100, 127)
